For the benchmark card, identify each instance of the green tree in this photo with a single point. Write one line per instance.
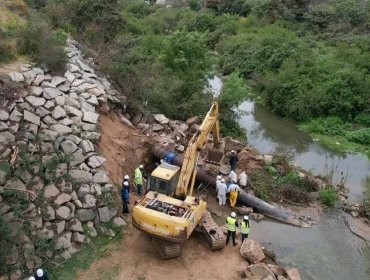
(234, 91)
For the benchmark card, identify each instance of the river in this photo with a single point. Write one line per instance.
(327, 250)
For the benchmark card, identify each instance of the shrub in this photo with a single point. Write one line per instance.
(45, 46)
(6, 53)
(328, 126)
(195, 5)
(361, 136)
(328, 196)
(363, 118)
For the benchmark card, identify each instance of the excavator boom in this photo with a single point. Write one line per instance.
(188, 170)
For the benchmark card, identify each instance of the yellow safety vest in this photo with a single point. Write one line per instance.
(231, 224)
(138, 177)
(244, 228)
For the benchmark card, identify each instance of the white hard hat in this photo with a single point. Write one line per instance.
(233, 214)
(218, 177)
(232, 151)
(126, 177)
(246, 218)
(31, 278)
(141, 166)
(125, 183)
(39, 272)
(232, 172)
(222, 180)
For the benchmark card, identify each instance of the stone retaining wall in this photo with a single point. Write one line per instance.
(47, 135)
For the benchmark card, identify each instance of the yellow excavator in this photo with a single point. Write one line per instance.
(168, 211)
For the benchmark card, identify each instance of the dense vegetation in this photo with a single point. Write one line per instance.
(307, 62)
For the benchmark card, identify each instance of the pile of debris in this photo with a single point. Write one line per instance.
(262, 265)
(49, 163)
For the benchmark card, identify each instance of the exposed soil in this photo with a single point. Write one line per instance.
(121, 145)
(134, 257)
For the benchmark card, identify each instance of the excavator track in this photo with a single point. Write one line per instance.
(212, 232)
(166, 249)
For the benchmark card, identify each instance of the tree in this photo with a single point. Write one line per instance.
(186, 55)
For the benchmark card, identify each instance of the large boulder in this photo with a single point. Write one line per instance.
(61, 129)
(119, 222)
(80, 238)
(6, 137)
(161, 119)
(90, 117)
(63, 212)
(261, 271)
(68, 147)
(104, 214)
(95, 161)
(16, 77)
(35, 101)
(293, 274)
(81, 175)
(193, 120)
(75, 225)
(89, 201)
(85, 215)
(50, 214)
(101, 177)
(51, 191)
(51, 93)
(87, 146)
(252, 251)
(4, 115)
(64, 241)
(277, 270)
(30, 117)
(77, 158)
(91, 231)
(62, 198)
(58, 113)
(59, 226)
(232, 144)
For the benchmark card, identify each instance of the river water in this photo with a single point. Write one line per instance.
(327, 250)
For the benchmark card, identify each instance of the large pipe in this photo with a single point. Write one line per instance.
(244, 198)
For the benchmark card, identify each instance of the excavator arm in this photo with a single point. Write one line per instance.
(189, 167)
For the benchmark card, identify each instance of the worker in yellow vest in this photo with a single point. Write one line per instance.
(232, 224)
(244, 228)
(139, 181)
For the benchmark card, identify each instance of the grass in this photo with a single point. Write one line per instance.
(82, 260)
(328, 196)
(341, 144)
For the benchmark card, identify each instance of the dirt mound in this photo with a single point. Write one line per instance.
(122, 146)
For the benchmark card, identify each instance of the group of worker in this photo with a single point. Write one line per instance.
(40, 275)
(232, 224)
(126, 187)
(230, 187)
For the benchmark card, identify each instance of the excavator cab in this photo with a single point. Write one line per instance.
(164, 179)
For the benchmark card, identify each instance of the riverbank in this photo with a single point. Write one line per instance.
(337, 142)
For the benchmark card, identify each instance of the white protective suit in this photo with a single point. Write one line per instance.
(243, 179)
(233, 176)
(221, 193)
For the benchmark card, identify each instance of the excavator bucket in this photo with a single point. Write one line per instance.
(214, 157)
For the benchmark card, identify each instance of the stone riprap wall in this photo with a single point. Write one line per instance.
(54, 192)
